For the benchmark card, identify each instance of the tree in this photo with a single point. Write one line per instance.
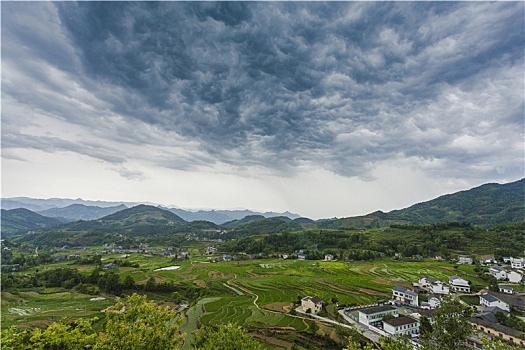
(400, 343)
(225, 337)
(112, 284)
(493, 284)
(62, 335)
(451, 326)
(425, 328)
(140, 325)
(129, 283)
(150, 285)
(497, 344)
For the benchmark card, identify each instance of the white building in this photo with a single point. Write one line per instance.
(458, 284)
(489, 300)
(314, 304)
(487, 260)
(516, 263)
(405, 296)
(506, 289)
(371, 316)
(328, 257)
(464, 259)
(434, 286)
(498, 272)
(515, 276)
(210, 250)
(401, 325)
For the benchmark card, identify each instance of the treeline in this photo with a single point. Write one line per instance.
(98, 281)
(314, 244)
(409, 240)
(260, 227)
(286, 242)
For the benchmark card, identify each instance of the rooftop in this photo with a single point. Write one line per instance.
(490, 298)
(496, 326)
(400, 321)
(404, 290)
(516, 301)
(456, 277)
(376, 309)
(315, 300)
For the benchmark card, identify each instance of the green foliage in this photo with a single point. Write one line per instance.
(400, 343)
(485, 205)
(58, 336)
(225, 337)
(511, 321)
(497, 344)
(263, 226)
(140, 325)
(131, 324)
(21, 220)
(425, 328)
(357, 341)
(451, 326)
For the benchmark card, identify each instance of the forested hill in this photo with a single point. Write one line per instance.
(136, 218)
(22, 220)
(143, 214)
(485, 205)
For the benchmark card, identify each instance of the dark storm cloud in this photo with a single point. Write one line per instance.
(332, 84)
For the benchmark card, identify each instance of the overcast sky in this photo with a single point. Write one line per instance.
(323, 109)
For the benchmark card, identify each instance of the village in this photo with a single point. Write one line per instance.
(403, 314)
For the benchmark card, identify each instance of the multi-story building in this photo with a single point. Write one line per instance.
(489, 300)
(405, 296)
(458, 284)
(401, 325)
(434, 286)
(312, 304)
(498, 272)
(372, 316)
(517, 263)
(465, 260)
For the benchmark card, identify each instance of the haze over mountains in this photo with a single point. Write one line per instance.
(484, 205)
(78, 209)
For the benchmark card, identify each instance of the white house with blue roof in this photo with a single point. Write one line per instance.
(406, 296)
(489, 300)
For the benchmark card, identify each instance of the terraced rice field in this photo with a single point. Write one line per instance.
(42, 308)
(283, 282)
(274, 285)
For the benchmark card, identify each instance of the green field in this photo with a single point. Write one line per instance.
(257, 294)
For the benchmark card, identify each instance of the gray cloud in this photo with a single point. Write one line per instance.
(342, 86)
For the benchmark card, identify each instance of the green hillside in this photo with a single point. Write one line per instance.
(143, 215)
(263, 226)
(21, 220)
(485, 205)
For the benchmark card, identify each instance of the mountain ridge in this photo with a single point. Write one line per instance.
(218, 216)
(485, 205)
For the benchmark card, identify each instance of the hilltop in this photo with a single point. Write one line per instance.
(21, 220)
(484, 205)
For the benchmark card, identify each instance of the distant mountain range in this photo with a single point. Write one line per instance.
(484, 205)
(75, 212)
(78, 209)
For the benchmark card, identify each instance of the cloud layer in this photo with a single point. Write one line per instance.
(275, 86)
